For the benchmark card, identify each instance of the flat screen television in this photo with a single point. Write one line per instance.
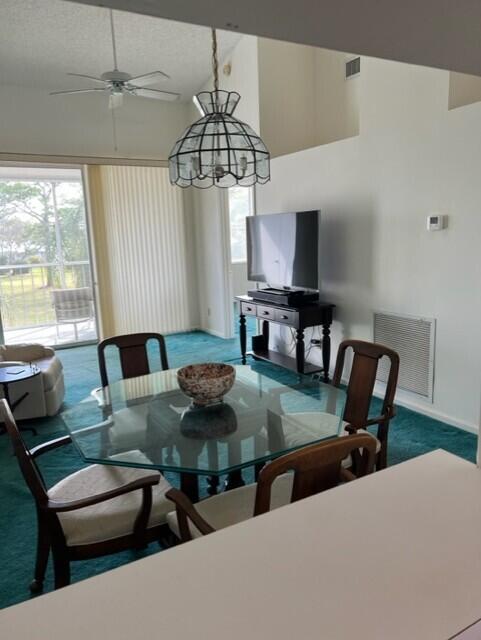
(283, 249)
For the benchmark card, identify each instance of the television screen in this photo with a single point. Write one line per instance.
(283, 249)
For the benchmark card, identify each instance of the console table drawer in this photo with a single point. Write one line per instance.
(265, 312)
(248, 309)
(284, 315)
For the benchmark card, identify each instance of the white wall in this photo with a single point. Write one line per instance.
(336, 99)
(211, 260)
(287, 96)
(240, 283)
(413, 157)
(304, 98)
(33, 122)
(463, 89)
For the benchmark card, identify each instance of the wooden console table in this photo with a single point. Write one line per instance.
(298, 318)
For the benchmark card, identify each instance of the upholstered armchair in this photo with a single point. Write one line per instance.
(46, 391)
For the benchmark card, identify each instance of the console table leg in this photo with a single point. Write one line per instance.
(326, 350)
(300, 350)
(265, 333)
(243, 336)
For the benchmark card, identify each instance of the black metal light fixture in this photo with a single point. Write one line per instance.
(218, 150)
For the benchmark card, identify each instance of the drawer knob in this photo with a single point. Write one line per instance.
(285, 317)
(249, 308)
(265, 313)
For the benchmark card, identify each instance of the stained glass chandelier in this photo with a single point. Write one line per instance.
(218, 150)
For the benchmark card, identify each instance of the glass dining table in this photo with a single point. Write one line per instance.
(149, 422)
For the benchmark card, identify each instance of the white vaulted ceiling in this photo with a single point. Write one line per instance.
(41, 41)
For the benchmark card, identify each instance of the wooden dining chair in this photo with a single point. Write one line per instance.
(96, 511)
(134, 358)
(360, 388)
(314, 468)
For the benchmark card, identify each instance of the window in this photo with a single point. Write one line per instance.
(45, 279)
(240, 206)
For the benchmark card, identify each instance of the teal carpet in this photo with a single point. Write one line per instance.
(411, 434)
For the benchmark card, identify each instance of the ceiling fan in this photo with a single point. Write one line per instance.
(118, 83)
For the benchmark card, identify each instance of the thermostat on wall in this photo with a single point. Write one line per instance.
(436, 222)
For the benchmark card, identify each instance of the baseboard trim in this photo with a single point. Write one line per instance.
(213, 332)
(424, 410)
(438, 415)
(405, 401)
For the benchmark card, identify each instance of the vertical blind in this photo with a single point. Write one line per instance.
(140, 243)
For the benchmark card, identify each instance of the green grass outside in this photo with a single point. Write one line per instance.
(26, 298)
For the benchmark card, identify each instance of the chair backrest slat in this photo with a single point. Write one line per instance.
(362, 379)
(134, 358)
(316, 468)
(29, 469)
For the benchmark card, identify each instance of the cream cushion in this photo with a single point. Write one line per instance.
(234, 506)
(51, 369)
(111, 518)
(297, 427)
(25, 352)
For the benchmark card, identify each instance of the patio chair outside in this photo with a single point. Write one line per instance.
(73, 306)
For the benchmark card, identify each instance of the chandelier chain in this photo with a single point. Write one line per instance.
(215, 64)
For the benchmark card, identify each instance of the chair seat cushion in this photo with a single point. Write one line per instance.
(297, 427)
(366, 433)
(234, 506)
(112, 518)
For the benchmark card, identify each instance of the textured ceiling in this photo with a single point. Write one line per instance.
(42, 40)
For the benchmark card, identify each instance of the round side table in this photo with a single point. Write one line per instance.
(11, 373)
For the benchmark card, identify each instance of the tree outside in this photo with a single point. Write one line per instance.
(42, 231)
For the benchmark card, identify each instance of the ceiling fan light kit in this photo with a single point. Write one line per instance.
(218, 150)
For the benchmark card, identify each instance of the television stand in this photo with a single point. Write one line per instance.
(295, 317)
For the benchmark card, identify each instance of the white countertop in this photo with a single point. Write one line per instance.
(396, 555)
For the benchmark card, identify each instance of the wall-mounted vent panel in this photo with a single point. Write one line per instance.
(413, 339)
(353, 67)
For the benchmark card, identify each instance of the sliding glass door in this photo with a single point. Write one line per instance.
(46, 290)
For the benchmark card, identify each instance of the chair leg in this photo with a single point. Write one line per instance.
(381, 458)
(43, 551)
(61, 568)
(167, 539)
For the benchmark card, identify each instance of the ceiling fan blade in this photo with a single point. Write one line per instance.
(155, 93)
(82, 75)
(58, 93)
(149, 78)
(115, 100)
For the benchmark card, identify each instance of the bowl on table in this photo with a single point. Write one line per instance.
(206, 383)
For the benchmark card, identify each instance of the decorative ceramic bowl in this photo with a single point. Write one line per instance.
(206, 383)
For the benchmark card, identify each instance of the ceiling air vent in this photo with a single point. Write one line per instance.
(353, 67)
(413, 339)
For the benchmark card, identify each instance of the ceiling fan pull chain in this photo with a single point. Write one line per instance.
(114, 48)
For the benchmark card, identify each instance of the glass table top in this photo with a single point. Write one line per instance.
(149, 422)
